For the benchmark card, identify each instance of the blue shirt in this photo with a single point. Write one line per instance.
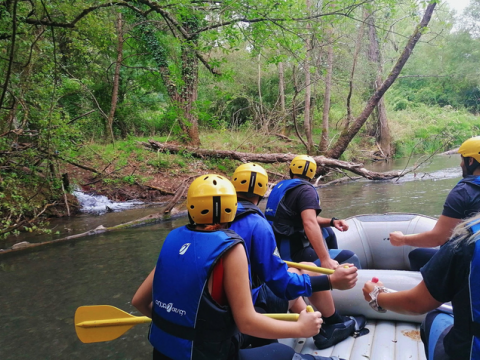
(263, 255)
(464, 199)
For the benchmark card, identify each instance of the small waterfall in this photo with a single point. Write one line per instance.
(99, 204)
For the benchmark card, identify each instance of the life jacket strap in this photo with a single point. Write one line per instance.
(173, 329)
(475, 329)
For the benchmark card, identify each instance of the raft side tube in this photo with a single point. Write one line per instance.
(368, 238)
(352, 302)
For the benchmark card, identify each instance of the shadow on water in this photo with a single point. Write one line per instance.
(40, 291)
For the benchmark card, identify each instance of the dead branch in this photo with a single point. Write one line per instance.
(179, 194)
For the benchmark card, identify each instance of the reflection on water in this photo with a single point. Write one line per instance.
(40, 291)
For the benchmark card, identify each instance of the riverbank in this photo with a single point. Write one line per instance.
(128, 170)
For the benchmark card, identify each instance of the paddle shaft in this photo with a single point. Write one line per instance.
(310, 268)
(115, 322)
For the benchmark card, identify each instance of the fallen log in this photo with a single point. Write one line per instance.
(147, 220)
(322, 161)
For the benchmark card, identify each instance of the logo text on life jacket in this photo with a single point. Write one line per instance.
(169, 307)
(184, 248)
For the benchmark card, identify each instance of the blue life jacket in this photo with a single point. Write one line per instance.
(186, 322)
(474, 280)
(289, 225)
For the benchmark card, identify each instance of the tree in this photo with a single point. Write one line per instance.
(380, 113)
(348, 134)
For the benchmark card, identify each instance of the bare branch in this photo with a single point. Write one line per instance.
(80, 16)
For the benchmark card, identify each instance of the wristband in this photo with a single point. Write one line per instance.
(331, 221)
(329, 282)
(374, 295)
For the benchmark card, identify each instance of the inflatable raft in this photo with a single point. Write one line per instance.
(391, 336)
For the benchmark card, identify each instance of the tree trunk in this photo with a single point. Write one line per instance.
(307, 123)
(190, 92)
(116, 81)
(281, 94)
(11, 55)
(358, 46)
(348, 134)
(326, 101)
(382, 133)
(185, 98)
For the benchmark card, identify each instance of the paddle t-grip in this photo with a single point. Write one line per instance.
(375, 279)
(309, 308)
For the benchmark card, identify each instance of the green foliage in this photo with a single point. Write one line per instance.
(424, 129)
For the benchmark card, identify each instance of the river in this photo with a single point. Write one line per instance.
(40, 291)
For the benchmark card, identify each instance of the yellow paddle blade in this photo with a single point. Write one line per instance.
(100, 323)
(309, 267)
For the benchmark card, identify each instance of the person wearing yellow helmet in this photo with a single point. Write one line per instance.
(462, 202)
(198, 295)
(273, 284)
(292, 210)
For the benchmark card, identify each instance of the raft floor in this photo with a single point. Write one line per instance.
(387, 340)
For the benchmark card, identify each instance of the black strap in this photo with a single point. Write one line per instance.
(171, 328)
(217, 209)
(253, 180)
(475, 327)
(305, 168)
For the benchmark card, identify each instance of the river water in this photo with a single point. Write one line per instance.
(40, 291)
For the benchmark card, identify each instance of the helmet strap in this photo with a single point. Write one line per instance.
(190, 219)
(217, 209)
(305, 168)
(470, 168)
(253, 180)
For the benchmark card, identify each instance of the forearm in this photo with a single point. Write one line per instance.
(142, 300)
(261, 326)
(415, 301)
(398, 303)
(427, 239)
(323, 222)
(314, 235)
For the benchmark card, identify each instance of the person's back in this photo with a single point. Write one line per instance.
(293, 209)
(186, 322)
(462, 202)
(270, 270)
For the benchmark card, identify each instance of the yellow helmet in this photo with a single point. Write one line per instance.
(471, 148)
(250, 178)
(304, 165)
(211, 199)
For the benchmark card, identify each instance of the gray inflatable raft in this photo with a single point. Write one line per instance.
(392, 336)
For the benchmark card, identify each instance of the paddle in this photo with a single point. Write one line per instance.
(98, 323)
(310, 268)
